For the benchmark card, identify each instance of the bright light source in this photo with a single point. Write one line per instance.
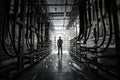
(60, 31)
(59, 28)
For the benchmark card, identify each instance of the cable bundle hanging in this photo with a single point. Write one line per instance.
(99, 18)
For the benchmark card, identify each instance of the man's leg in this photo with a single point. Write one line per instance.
(58, 49)
(61, 50)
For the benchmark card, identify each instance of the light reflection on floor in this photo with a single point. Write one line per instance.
(64, 52)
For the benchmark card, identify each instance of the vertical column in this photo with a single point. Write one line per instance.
(42, 34)
(1, 19)
(38, 34)
(4, 17)
(21, 40)
(116, 29)
(47, 32)
(16, 7)
(31, 26)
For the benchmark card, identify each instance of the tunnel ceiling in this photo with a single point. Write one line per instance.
(59, 11)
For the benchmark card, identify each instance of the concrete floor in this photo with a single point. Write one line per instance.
(57, 67)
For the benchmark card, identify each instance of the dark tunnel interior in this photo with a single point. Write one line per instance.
(59, 39)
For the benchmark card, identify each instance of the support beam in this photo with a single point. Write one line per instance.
(116, 30)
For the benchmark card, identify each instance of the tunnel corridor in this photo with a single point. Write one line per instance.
(59, 39)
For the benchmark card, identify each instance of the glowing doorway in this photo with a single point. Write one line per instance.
(60, 31)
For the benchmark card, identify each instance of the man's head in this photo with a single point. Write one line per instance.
(59, 37)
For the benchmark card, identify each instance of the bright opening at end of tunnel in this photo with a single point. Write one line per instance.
(64, 33)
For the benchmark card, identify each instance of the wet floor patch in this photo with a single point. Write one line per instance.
(56, 67)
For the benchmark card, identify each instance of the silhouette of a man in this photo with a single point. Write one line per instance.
(59, 43)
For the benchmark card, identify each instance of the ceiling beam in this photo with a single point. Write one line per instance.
(58, 4)
(59, 14)
(63, 18)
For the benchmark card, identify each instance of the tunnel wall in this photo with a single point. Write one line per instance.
(87, 47)
(24, 36)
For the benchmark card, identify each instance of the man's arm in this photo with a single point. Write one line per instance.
(57, 43)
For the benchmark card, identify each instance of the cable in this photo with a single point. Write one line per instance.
(110, 31)
(6, 33)
(104, 28)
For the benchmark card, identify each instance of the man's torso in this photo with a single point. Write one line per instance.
(60, 42)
